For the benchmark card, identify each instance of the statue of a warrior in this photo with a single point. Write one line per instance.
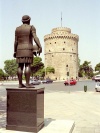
(24, 50)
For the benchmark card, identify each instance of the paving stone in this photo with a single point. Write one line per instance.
(88, 130)
(97, 130)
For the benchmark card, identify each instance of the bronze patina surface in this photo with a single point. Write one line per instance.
(24, 50)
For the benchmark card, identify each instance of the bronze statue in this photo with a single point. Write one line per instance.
(24, 50)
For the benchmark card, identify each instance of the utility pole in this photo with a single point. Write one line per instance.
(45, 67)
(45, 72)
(61, 19)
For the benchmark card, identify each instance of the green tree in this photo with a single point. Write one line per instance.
(97, 67)
(11, 67)
(1, 74)
(50, 70)
(6, 76)
(81, 71)
(40, 73)
(37, 66)
(85, 70)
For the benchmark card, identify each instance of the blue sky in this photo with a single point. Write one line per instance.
(82, 16)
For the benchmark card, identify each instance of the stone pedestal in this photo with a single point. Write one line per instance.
(25, 109)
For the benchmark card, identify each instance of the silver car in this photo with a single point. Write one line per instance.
(97, 87)
(35, 82)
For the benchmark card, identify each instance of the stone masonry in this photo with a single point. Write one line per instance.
(61, 53)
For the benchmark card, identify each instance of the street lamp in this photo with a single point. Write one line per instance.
(67, 71)
(68, 78)
(45, 68)
(45, 72)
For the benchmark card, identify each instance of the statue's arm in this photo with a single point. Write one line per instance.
(36, 39)
(15, 44)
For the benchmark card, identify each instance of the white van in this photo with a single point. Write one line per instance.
(97, 78)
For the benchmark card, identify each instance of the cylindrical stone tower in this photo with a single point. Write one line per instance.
(61, 53)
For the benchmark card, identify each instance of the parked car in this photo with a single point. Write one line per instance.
(97, 87)
(35, 82)
(70, 82)
(93, 78)
(48, 80)
(97, 78)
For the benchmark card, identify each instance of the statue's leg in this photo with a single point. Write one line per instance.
(27, 75)
(19, 74)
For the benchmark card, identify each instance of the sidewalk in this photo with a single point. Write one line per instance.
(82, 107)
(8, 82)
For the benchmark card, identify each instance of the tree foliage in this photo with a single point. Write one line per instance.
(50, 70)
(37, 67)
(85, 70)
(11, 67)
(40, 73)
(1, 74)
(97, 67)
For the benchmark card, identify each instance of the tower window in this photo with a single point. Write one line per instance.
(52, 56)
(63, 48)
(50, 42)
(49, 51)
(55, 42)
(66, 65)
(64, 42)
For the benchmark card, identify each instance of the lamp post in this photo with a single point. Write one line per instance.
(68, 71)
(68, 77)
(45, 72)
(45, 68)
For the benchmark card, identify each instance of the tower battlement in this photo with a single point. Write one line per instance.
(61, 32)
(63, 29)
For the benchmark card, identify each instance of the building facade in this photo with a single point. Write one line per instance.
(61, 53)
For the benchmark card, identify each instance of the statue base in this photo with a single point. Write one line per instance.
(25, 109)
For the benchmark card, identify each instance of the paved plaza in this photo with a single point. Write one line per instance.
(81, 107)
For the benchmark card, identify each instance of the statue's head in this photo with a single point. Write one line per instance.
(26, 19)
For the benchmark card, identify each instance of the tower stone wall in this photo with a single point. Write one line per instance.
(61, 52)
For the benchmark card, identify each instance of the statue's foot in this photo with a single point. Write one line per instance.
(21, 86)
(30, 86)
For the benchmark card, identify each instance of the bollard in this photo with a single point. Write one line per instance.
(85, 88)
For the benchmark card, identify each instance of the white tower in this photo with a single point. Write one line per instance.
(61, 53)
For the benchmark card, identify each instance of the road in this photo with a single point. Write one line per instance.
(78, 87)
(56, 86)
